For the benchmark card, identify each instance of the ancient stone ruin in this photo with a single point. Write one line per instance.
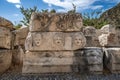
(59, 43)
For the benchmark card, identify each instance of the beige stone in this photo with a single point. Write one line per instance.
(112, 59)
(5, 60)
(108, 29)
(20, 36)
(38, 41)
(55, 22)
(6, 23)
(109, 39)
(89, 31)
(17, 56)
(5, 38)
(84, 60)
(91, 35)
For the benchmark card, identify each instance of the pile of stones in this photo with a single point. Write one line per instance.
(56, 44)
(59, 43)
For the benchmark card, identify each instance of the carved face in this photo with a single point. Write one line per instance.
(78, 40)
(58, 39)
(37, 39)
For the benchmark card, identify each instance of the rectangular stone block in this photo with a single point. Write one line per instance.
(113, 59)
(5, 59)
(5, 38)
(20, 36)
(85, 60)
(55, 22)
(109, 40)
(40, 41)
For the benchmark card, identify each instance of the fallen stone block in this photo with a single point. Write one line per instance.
(38, 41)
(106, 29)
(109, 40)
(5, 38)
(112, 59)
(91, 35)
(55, 22)
(20, 36)
(5, 60)
(6, 23)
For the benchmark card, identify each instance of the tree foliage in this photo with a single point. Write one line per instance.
(27, 14)
(92, 19)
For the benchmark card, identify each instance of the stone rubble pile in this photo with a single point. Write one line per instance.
(58, 43)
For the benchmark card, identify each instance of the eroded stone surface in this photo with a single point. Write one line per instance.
(112, 59)
(5, 38)
(5, 23)
(86, 60)
(109, 39)
(20, 36)
(17, 56)
(55, 22)
(38, 41)
(91, 35)
(108, 29)
(5, 60)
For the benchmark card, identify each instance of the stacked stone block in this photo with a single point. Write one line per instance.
(54, 44)
(5, 44)
(110, 40)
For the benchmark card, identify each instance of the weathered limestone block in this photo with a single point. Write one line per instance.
(38, 41)
(6, 23)
(17, 56)
(55, 22)
(88, 60)
(112, 59)
(5, 38)
(109, 40)
(89, 31)
(91, 35)
(108, 29)
(5, 60)
(20, 36)
(92, 60)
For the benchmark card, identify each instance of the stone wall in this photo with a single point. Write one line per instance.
(58, 43)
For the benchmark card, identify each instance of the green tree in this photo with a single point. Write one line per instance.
(27, 14)
(92, 19)
(52, 11)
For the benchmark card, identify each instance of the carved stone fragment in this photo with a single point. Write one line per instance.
(38, 41)
(55, 22)
(109, 40)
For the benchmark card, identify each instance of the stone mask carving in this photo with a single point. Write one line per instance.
(38, 39)
(58, 39)
(77, 40)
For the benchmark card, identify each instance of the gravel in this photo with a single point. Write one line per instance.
(17, 75)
